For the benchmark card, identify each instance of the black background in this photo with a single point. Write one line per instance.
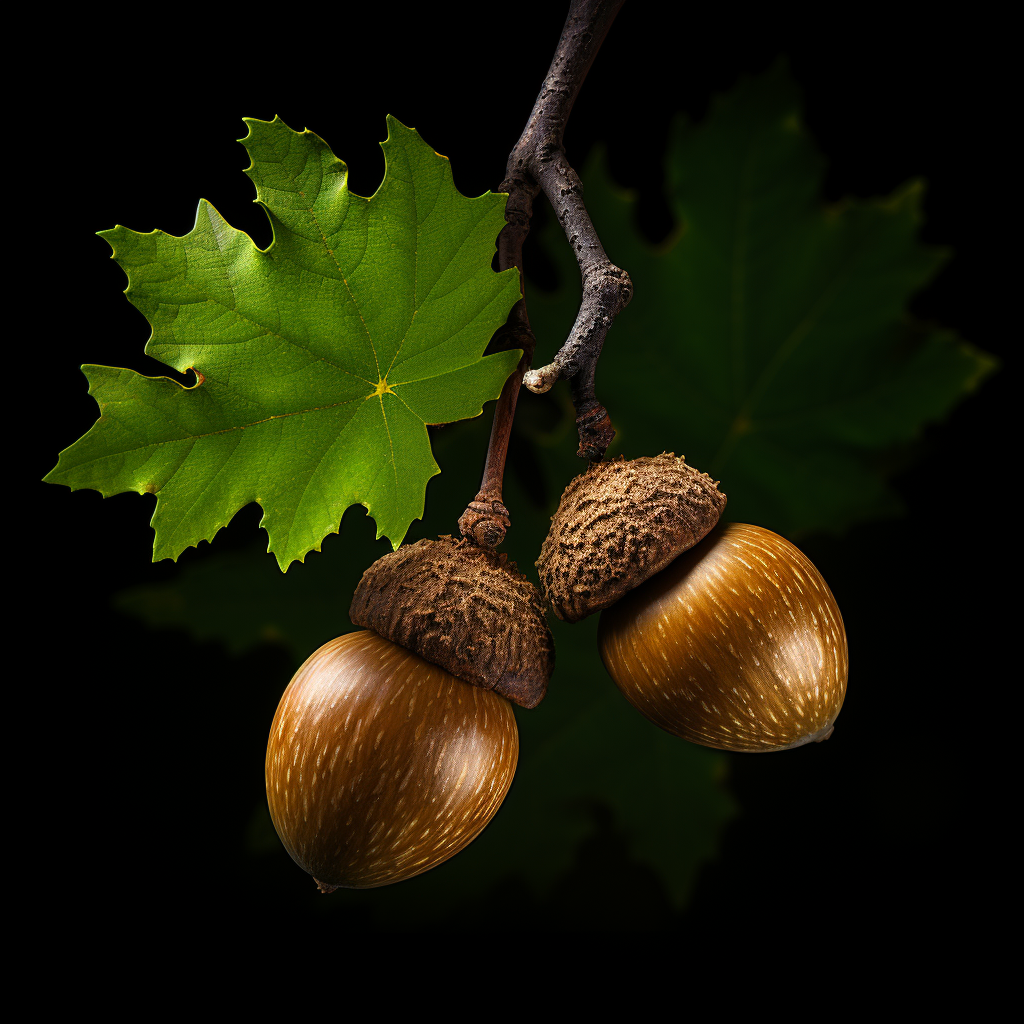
(150, 747)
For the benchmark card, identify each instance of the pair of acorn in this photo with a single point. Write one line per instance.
(392, 748)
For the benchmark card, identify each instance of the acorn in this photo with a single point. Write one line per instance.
(392, 748)
(725, 635)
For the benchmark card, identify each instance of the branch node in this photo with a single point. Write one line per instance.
(543, 380)
(485, 522)
(595, 430)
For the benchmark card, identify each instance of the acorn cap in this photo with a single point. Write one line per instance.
(618, 524)
(464, 608)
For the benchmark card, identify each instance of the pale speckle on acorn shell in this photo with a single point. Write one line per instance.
(738, 645)
(381, 766)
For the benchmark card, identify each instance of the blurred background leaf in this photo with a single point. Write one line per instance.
(769, 342)
(768, 339)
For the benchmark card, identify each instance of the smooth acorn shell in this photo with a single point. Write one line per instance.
(738, 644)
(381, 765)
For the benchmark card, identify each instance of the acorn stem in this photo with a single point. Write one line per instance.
(538, 163)
(540, 156)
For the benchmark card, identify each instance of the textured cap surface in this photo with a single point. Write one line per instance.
(464, 608)
(618, 524)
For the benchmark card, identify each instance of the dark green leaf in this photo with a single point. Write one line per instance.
(768, 338)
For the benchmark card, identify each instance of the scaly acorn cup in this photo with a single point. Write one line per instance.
(392, 748)
(617, 524)
(732, 641)
(380, 765)
(465, 608)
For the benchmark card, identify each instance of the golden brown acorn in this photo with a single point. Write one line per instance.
(381, 765)
(738, 645)
(727, 638)
(393, 748)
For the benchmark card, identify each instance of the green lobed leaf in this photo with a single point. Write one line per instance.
(319, 361)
